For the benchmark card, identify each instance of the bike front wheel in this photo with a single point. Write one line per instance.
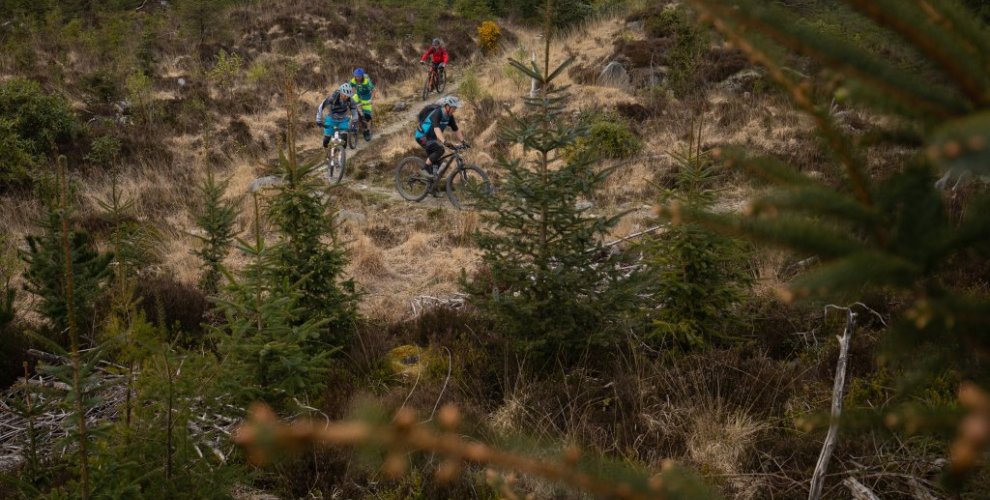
(411, 181)
(427, 86)
(468, 186)
(336, 158)
(441, 81)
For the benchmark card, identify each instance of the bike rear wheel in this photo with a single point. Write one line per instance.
(468, 186)
(411, 181)
(336, 159)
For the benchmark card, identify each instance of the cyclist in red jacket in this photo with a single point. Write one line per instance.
(439, 54)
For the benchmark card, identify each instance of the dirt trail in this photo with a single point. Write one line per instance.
(311, 148)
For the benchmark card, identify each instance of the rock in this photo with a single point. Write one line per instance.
(742, 81)
(400, 106)
(614, 75)
(635, 25)
(351, 216)
(263, 182)
(583, 205)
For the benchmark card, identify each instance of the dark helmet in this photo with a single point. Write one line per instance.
(359, 72)
(437, 42)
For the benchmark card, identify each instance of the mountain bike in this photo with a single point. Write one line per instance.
(436, 79)
(337, 156)
(466, 185)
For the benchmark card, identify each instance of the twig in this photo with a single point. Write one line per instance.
(450, 367)
(858, 490)
(818, 477)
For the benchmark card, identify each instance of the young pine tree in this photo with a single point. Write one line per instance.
(45, 275)
(698, 275)
(269, 352)
(547, 280)
(216, 219)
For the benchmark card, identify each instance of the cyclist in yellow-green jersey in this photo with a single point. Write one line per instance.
(363, 93)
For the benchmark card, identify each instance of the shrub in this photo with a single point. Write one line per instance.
(608, 137)
(226, 70)
(103, 151)
(690, 43)
(473, 9)
(33, 125)
(16, 162)
(489, 35)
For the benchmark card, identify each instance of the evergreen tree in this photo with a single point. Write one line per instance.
(698, 275)
(45, 274)
(889, 233)
(216, 219)
(547, 279)
(269, 352)
(307, 253)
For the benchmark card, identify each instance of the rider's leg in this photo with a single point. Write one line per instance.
(326, 140)
(366, 112)
(434, 151)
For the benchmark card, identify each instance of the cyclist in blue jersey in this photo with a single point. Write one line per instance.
(363, 92)
(430, 132)
(340, 108)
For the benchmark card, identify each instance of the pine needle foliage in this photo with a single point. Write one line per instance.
(698, 276)
(547, 279)
(46, 263)
(269, 353)
(216, 219)
(307, 253)
(890, 233)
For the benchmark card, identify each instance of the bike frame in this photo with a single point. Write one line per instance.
(445, 163)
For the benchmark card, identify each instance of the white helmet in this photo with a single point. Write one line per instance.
(450, 100)
(346, 90)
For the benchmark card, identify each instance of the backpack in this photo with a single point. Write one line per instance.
(423, 113)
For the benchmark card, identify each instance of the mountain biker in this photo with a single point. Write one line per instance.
(429, 133)
(363, 92)
(439, 55)
(340, 108)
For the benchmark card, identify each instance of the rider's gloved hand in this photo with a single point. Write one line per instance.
(465, 144)
(422, 62)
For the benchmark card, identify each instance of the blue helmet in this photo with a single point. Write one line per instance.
(359, 72)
